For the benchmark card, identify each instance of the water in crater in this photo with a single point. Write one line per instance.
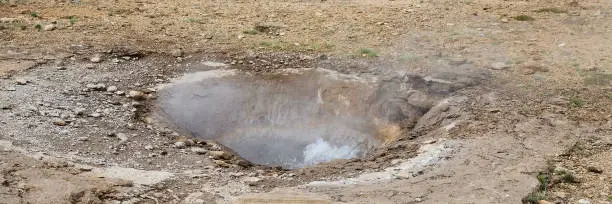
(293, 118)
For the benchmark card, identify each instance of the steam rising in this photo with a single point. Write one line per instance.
(292, 120)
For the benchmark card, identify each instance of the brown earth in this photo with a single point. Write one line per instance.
(541, 104)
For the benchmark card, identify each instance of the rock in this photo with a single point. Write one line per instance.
(544, 202)
(179, 145)
(21, 81)
(79, 111)
(61, 68)
(220, 155)
(199, 150)
(10, 88)
(6, 106)
(119, 93)
(499, 66)
(595, 169)
(96, 58)
(95, 115)
(59, 122)
(194, 198)
(148, 147)
(49, 27)
(122, 136)
(176, 53)
(90, 66)
(584, 201)
(251, 181)
(111, 89)
(504, 20)
(136, 95)
(96, 87)
(83, 139)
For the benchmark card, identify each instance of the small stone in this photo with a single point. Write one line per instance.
(119, 93)
(60, 122)
(499, 66)
(179, 145)
(584, 201)
(83, 139)
(90, 66)
(85, 168)
(10, 88)
(251, 181)
(95, 115)
(137, 95)
(504, 20)
(79, 111)
(176, 53)
(61, 68)
(49, 27)
(220, 155)
(96, 87)
(6, 106)
(595, 169)
(122, 136)
(96, 58)
(544, 202)
(111, 89)
(199, 150)
(148, 147)
(21, 81)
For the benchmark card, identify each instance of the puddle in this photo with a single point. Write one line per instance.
(293, 118)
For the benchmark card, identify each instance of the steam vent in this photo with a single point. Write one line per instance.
(293, 118)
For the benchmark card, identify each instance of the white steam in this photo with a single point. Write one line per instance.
(322, 151)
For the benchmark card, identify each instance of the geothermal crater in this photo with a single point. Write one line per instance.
(291, 118)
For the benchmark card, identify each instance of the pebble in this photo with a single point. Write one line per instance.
(179, 145)
(251, 181)
(176, 53)
(6, 106)
(60, 122)
(21, 81)
(10, 88)
(90, 66)
(83, 138)
(95, 115)
(61, 68)
(584, 201)
(122, 136)
(119, 93)
(49, 27)
(79, 111)
(199, 150)
(220, 155)
(96, 58)
(137, 95)
(148, 147)
(96, 87)
(504, 20)
(499, 65)
(111, 89)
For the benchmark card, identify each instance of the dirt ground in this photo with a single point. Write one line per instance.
(527, 115)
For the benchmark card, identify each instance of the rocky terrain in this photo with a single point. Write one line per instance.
(516, 99)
